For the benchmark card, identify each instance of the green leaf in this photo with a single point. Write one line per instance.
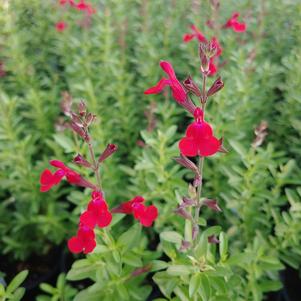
(132, 259)
(270, 285)
(18, 294)
(130, 238)
(17, 281)
(180, 270)
(47, 288)
(205, 289)
(223, 246)
(194, 284)
(82, 269)
(65, 142)
(158, 265)
(171, 236)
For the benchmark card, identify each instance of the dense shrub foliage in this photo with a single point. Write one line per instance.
(109, 58)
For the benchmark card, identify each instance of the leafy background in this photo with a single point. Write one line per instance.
(109, 64)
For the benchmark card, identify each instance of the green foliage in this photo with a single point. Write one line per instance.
(110, 64)
(13, 291)
(62, 291)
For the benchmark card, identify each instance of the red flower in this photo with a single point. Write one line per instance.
(60, 26)
(97, 213)
(197, 34)
(84, 241)
(235, 25)
(215, 43)
(145, 214)
(178, 92)
(83, 6)
(48, 180)
(199, 138)
(212, 67)
(127, 207)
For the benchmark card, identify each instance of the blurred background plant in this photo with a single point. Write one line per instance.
(110, 61)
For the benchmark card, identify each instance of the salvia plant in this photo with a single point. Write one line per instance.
(225, 226)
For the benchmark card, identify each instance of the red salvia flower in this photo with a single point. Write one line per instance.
(199, 140)
(235, 24)
(60, 26)
(197, 34)
(97, 213)
(84, 6)
(127, 207)
(145, 214)
(84, 241)
(178, 91)
(49, 179)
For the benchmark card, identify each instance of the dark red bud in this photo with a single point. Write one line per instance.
(217, 85)
(66, 103)
(90, 118)
(191, 86)
(110, 149)
(185, 245)
(183, 213)
(76, 119)
(79, 131)
(82, 108)
(80, 160)
(188, 202)
(212, 204)
(213, 240)
(204, 58)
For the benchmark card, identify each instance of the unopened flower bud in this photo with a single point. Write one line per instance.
(80, 160)
(76, 119)
(110, 149)
(213, 240)
(204, 58)
(66, 103)
(82, 108)
(191, 86)
(185, 245)
(188, 202)
(90, 118)
(217, 85)
(212, 204)
(77, 129)
(183, 213)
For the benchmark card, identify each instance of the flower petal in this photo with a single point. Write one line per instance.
(149, 215)
(104, 219)
(75, 245)
(188, 147)
(188, 37)
(199, 130)
(168, 69)
(46, 177)
(208, 147)
(158, 87)
(89, 219)
(89, 246)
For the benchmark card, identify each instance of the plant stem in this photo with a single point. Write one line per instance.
(199, 191)
(201, 159)
(95, 165)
